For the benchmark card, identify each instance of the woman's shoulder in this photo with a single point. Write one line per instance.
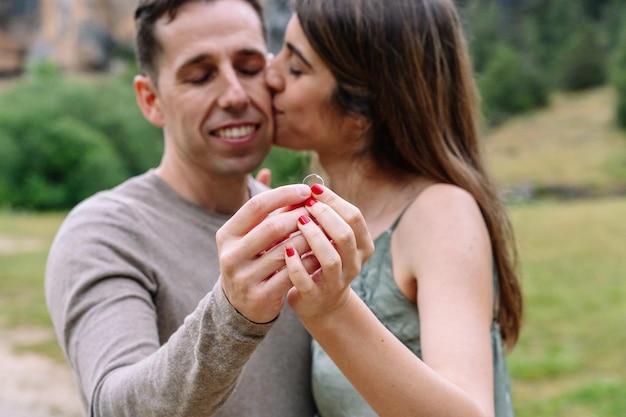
(441, 212)
(439, 199)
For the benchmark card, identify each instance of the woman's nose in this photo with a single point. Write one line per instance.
(273, 79)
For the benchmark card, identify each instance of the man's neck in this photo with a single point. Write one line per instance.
(224, 195)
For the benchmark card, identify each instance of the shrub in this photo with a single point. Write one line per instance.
(63, 140)
(482, 30)
(288, 167)
(618, 78)
(583, 62)
(508, 86)
(59, 164)
(139, 144)
(9, 157)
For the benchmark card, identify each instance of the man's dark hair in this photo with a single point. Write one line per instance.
(147, 45)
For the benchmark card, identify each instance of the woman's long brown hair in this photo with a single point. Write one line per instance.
(404, 64)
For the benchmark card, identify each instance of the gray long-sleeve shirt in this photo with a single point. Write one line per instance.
(133, 292)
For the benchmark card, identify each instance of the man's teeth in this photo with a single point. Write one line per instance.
(235, 132)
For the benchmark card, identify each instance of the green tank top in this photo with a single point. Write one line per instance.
(334, 394)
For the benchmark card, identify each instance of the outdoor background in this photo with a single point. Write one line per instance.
(552, 78)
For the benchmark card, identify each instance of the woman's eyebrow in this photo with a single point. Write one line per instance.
(299, 53)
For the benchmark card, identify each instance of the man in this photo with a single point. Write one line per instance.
(132, 277)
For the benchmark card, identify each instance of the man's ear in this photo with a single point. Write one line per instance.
(148, 100)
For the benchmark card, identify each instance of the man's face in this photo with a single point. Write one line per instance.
(211, 98)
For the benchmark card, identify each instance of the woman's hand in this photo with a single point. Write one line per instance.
(340, 243)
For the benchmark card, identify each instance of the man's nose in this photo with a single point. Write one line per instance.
(233, 94)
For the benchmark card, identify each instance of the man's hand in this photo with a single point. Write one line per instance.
(251, 247)
(264, 176)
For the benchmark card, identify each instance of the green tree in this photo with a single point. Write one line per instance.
(547, 30)
(139, 144)
(610, 24)
(9, 158)
(288, 167)
(618, 78)
(583, 60)
(482, 31)
(69, 139)
(61, 163)
(508, 86)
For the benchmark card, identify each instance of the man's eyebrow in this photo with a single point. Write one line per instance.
(195, 60)
(297, 52)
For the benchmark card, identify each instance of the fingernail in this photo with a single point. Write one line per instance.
(304, 220)
(290, 252)
(310, 201)
(317, 189)
(303, 190)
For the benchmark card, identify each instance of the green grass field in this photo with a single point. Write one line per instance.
(24, 242)
(570, 360)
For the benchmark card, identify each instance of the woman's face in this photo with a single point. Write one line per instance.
(304, 116)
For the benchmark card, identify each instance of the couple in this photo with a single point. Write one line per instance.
(168, 292)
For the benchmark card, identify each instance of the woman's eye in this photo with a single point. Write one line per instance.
(294, 71)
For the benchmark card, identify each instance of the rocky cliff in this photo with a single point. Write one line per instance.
(80, 35)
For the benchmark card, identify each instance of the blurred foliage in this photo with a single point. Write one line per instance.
(583, 60)
(63, 138)
(618, 78)
(509, 87)
(524, 50)
(288, 167)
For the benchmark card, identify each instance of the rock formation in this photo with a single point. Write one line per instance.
(81, 35)
(17, 20)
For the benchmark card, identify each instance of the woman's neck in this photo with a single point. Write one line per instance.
(380, 196)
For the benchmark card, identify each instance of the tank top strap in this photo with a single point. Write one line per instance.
(397, 220)
(395, 223)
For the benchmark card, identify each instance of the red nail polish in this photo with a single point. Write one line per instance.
(304, 220)
(310, 201)
(317, 189)
(290, 252)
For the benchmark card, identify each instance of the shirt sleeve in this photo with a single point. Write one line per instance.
(102, 307)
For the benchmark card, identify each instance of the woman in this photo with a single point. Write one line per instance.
(383, 92)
